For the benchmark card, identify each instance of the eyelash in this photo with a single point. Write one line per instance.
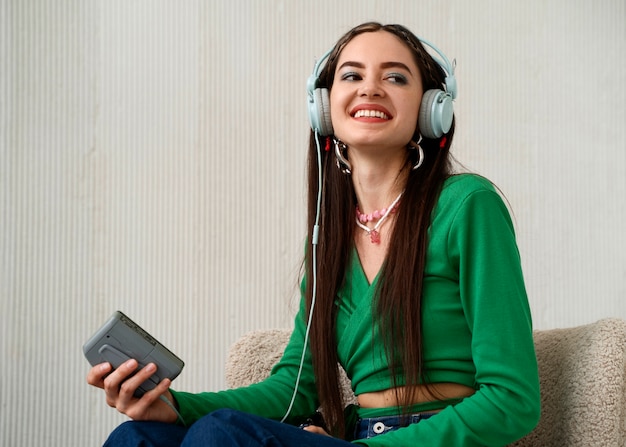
(350, 76)
(396, 78)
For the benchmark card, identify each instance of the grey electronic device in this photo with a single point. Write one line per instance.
(121, 339)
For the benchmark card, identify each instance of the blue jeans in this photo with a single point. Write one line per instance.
(226, 427)
(220, 428)
(370, 427)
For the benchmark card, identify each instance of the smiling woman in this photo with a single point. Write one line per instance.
(421, 302)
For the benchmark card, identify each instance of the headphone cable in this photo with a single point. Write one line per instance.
(314, 241)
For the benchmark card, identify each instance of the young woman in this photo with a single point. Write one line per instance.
(412, 283)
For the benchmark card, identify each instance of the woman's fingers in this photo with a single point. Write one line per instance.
(150, 407)
(121, 384)
(316, 429)
(96, 375)
(129, 385)
(113, 382)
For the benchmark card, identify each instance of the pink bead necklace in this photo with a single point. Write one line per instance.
(362, 219)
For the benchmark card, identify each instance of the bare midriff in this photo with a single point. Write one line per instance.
(423, 394)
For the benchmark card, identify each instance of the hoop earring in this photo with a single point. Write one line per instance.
(413, 146)
(342, 162)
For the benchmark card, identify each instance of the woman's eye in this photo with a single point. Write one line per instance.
(350, 76)
(397, 78)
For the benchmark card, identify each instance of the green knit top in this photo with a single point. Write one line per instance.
(476, 325)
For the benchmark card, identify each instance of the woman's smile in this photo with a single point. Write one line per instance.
(370, 113)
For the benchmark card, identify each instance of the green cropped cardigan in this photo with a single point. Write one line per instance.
(477, 331)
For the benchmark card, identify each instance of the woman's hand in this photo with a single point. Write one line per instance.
(315, 429)
(119, 388)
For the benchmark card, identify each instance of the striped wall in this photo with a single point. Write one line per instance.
(152, 161)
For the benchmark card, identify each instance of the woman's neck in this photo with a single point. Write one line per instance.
(376, 185)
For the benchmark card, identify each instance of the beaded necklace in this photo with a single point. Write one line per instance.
(373, 233)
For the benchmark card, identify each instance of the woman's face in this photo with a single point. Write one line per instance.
(376, 93)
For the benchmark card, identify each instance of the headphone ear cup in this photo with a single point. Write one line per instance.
(320, 112)
(435, 114)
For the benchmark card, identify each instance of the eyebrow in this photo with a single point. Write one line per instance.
(391, 64)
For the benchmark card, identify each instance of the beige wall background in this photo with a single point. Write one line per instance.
(152, 160)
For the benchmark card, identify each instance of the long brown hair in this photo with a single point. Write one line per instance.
(399, 294)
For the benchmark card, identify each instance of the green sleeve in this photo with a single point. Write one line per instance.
(506, 406)
(269, 398)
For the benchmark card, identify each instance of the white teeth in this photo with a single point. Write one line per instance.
(370, 114)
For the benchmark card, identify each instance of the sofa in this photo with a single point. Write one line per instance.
(582, 372)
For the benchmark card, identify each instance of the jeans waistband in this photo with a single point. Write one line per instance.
(369, 427)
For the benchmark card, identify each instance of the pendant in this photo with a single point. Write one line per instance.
(375, 237)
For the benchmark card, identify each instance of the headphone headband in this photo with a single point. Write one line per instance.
(444, 63)
(314, 78)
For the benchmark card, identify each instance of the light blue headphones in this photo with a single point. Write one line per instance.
(436, 110)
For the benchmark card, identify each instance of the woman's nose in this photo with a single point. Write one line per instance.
(371, 88)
